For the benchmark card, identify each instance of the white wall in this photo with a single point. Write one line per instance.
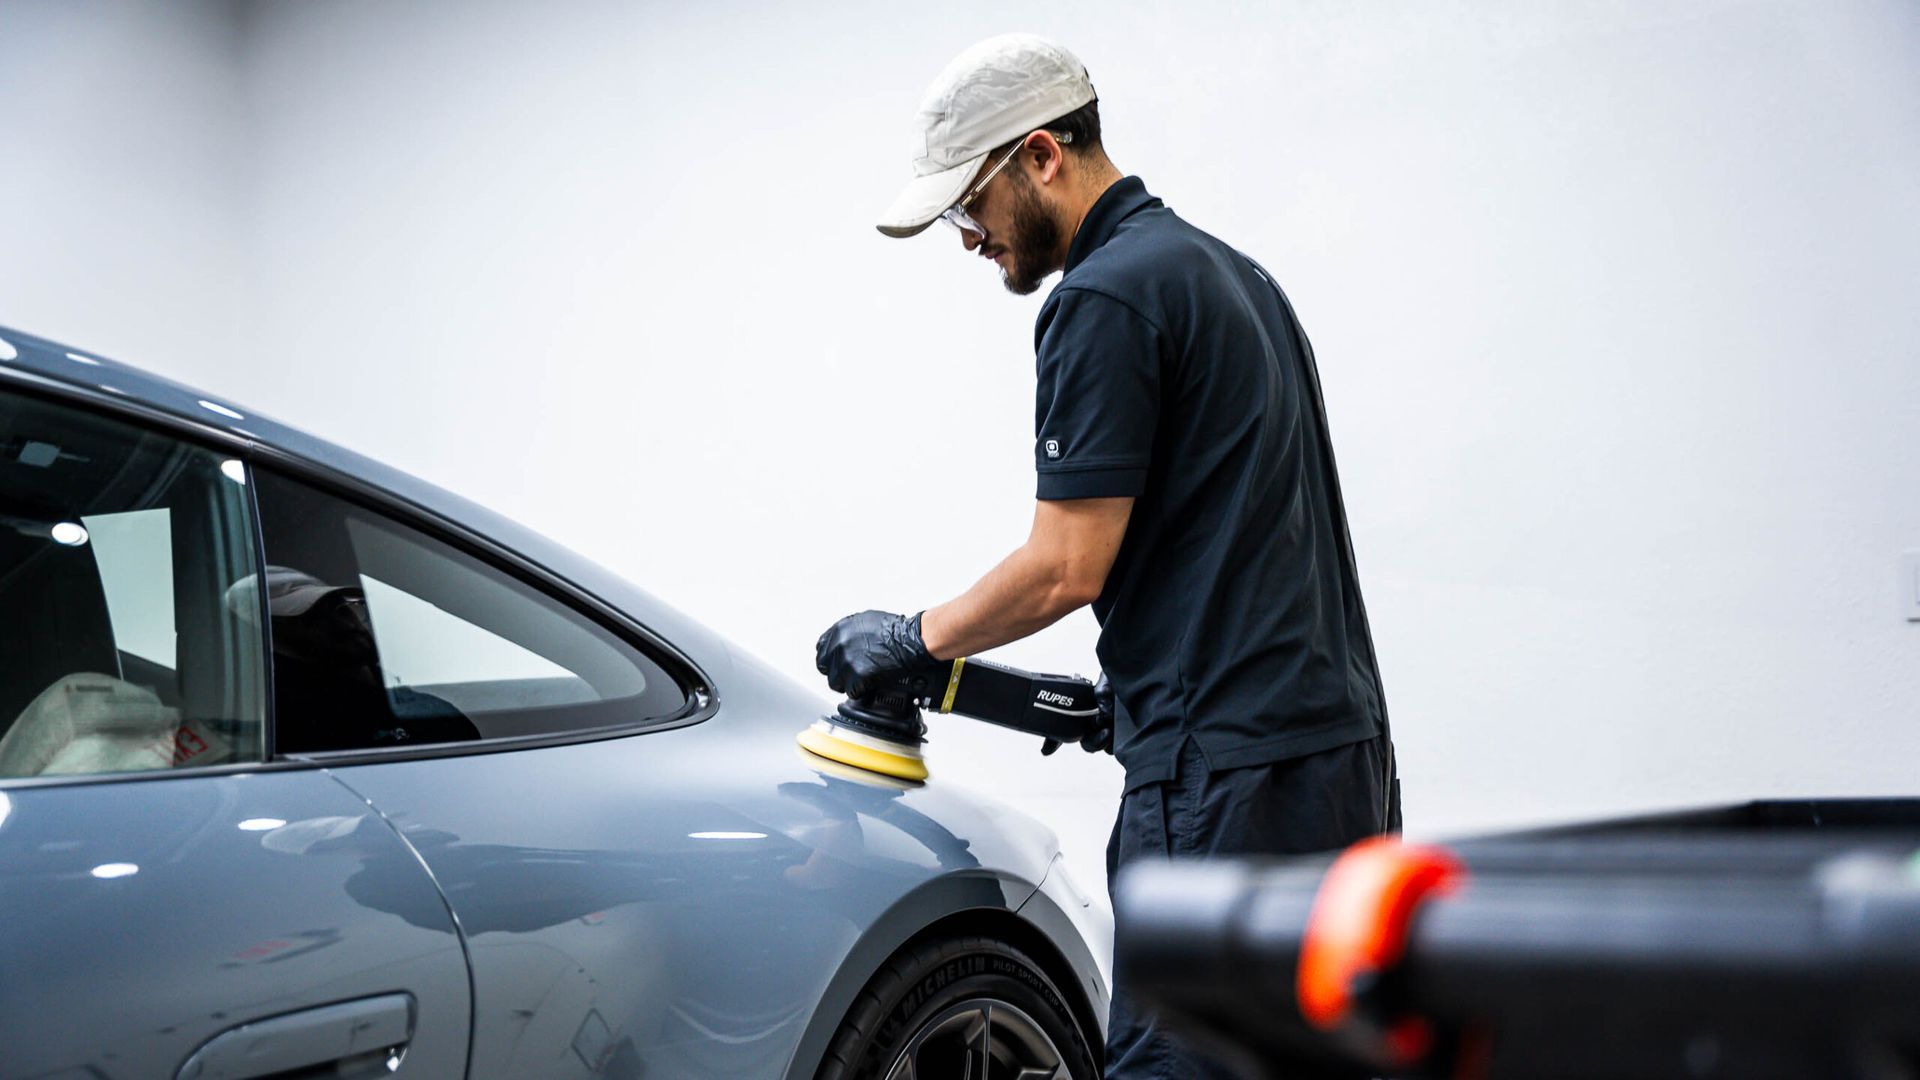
(1614, 305)
(121, 173)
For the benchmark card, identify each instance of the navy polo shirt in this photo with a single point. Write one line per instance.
(1170, 369)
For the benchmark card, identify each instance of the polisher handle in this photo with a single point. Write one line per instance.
(1059, 707)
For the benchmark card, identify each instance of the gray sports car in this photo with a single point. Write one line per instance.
(308, 768)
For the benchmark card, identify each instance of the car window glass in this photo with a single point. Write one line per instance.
(121, 553)
(422, 644)
(386, 636)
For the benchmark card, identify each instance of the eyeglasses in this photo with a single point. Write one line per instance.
(957, 216)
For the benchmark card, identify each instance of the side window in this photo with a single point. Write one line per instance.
(127, 577)
(386, 636)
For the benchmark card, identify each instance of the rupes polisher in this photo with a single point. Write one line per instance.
(881, 730)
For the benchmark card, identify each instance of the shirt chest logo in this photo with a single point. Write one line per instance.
(1053, 449)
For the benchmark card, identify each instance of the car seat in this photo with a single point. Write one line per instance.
(56, 615)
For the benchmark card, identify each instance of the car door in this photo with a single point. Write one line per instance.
(173, 901)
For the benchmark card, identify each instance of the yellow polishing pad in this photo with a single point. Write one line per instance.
(887, 758)
(835, 770)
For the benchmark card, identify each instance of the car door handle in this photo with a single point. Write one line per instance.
(353, 1038)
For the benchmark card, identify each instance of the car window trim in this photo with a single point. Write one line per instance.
(263, 610)
(15, 783)
(703, 700)
(581, 602)
(700, 706)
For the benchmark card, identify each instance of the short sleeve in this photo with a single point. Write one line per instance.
(1097, 397)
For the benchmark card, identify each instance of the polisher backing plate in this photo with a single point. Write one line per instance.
(883, 756)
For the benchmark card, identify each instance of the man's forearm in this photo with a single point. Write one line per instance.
(1026, 593)
(1062, 566)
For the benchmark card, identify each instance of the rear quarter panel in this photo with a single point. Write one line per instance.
(682, 902)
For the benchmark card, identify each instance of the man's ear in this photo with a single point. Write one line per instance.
(1043, 152)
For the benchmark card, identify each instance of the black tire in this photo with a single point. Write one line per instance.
(941, 1002)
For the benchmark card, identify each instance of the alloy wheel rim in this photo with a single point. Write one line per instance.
(981, 1038)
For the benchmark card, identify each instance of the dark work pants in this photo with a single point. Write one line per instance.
(1319, 802)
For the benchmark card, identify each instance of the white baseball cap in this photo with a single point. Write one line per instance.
(990, 95)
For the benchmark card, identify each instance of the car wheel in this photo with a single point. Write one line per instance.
(959, 1008)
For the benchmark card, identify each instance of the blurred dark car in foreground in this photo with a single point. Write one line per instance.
(1770, 940)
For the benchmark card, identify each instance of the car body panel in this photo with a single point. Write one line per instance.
(142, 920)
(1080, 922)
(697, 899)
(690, 896)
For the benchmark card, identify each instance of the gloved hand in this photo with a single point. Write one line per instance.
(1100, 736)
(864, 650)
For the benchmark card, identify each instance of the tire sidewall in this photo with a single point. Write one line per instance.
(961, 971)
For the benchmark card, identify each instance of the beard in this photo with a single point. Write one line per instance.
(1031, 242)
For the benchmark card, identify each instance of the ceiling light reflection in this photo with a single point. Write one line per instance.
(726, 836)
(70, 533)
(114, 870)
(261, 824)
(234, 469)
(212, 406)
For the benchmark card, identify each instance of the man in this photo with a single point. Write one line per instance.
(1186, 490)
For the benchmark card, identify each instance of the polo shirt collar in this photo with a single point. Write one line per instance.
(1114, 205)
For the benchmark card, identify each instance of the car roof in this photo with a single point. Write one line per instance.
(26, 358)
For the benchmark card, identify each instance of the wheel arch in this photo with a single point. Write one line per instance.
(998, 906)
(1015, 928)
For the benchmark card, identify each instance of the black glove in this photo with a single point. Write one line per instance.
(1100, 736)
(862, 651)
